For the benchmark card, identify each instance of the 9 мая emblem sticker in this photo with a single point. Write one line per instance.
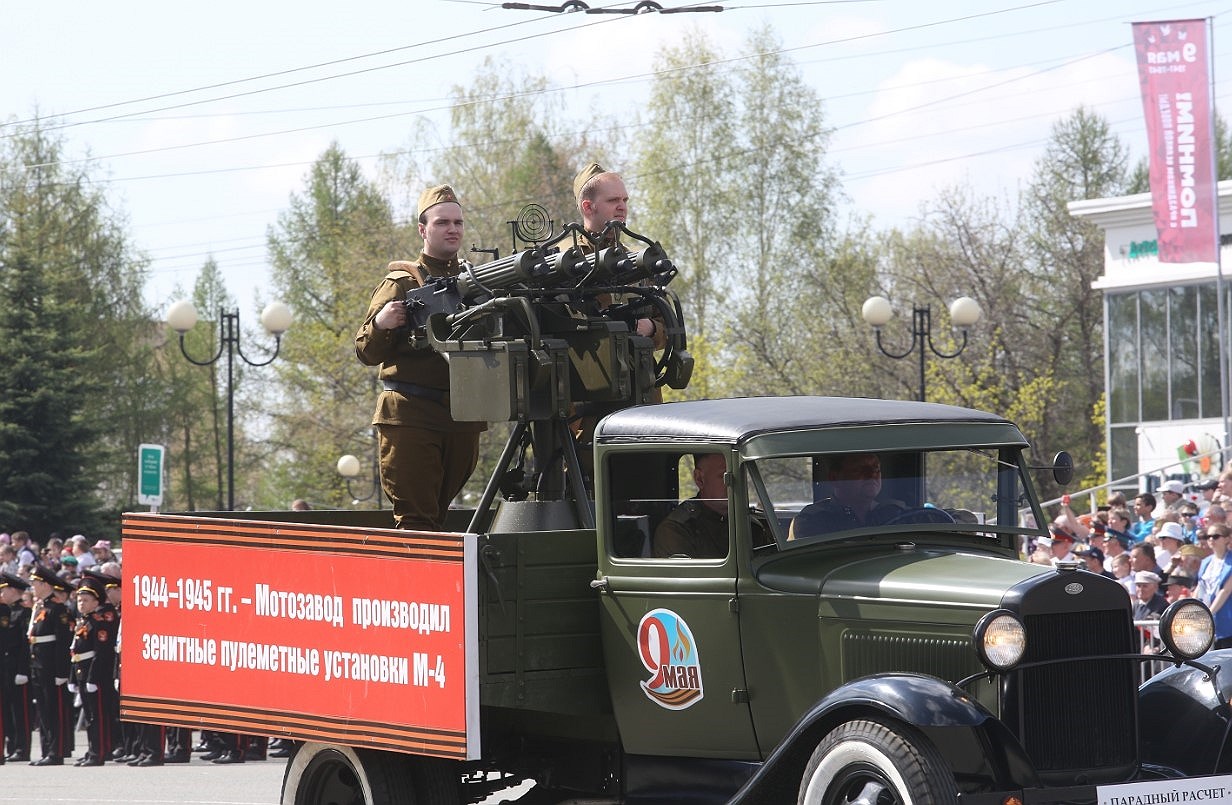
(669, 652)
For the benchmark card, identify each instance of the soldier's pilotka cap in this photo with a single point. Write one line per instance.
(46, 574)
(11, 580)
(436, 195)
(579, 182)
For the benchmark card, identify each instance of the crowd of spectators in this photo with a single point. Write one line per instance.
(68, 558)
(1161, 548)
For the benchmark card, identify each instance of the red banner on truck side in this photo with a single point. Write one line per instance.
(366, 637)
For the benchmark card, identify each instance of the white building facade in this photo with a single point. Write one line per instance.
(1161, 343)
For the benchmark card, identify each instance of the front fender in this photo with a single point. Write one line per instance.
(1184, 718)
(983, 754)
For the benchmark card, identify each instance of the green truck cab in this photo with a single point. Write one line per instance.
(847, 666)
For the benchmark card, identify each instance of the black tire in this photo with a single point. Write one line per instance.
(872, 763)
(329, 774)
(437, 781)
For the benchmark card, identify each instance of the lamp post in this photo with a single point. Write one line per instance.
(348, 468)
(276, 318)
(964, 312)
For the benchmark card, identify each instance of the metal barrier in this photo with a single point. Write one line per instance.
(1149, 643)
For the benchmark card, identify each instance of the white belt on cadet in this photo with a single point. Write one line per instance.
(45, 638)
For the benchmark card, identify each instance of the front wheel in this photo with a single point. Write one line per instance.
(871, 763)
(329, 774)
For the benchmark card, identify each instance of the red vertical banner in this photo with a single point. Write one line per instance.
(1174, 71)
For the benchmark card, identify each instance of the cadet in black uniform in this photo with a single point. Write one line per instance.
(93, 659)
(51, 633)
(15, 668)
(112, 590)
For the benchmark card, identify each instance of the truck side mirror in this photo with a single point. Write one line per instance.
(1063, 468)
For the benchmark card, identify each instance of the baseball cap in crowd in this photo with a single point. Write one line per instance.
(1091, 551)
(1173, 486)
(1204, 485)
(1146, 577)
(102, 544)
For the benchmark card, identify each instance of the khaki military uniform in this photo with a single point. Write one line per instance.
(425, 456)
(693, 529)
(583, 422)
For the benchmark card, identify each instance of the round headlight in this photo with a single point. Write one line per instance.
(1187, 629)
(1000, 640)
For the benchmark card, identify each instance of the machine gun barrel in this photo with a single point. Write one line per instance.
(525, 267)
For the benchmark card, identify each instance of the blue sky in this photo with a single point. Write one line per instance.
(203, 120)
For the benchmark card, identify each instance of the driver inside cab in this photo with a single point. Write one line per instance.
(854, 482)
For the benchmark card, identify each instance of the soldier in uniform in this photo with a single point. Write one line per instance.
(51, 633)
(106, 576)
(15, 668)
(425, 456)
(855, 482)
(602, 197)
(697, 528)
(93, 661)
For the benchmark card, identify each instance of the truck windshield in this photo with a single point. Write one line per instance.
(970, 490)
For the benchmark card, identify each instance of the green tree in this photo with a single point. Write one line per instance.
(46, 434)
(70, 244)
(511, 145)
(678, 187)
(328, 251)
(785, 241)
(963, 245)
(1064, 257)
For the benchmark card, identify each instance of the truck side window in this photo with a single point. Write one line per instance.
(669, 505)
(643, 489)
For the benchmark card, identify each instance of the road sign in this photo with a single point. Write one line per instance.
(150, 474)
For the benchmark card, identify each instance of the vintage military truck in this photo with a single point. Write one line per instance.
(914, 659)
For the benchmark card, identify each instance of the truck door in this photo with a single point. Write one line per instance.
(670, 624)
